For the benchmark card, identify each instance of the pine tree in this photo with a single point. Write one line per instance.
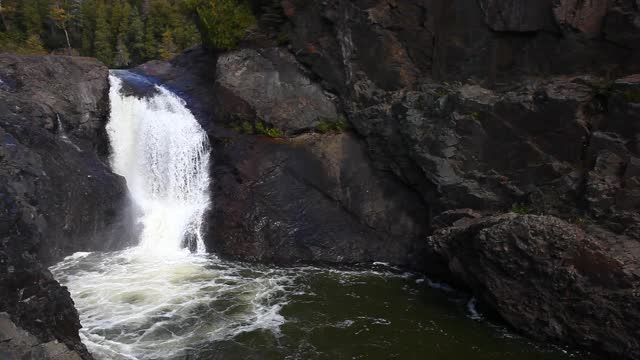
(88, 21)
(125, 23)
(136, 36)
(115, 21)
(102, 43)
(118, 32)
(168, 48)
(150, 42)
(33, 45)
(222, 23)
(122, 58)
(31, 20)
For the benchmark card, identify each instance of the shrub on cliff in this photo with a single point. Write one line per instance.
(222, 23)
(21, 44)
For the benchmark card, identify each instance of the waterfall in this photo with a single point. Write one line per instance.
(161, 150)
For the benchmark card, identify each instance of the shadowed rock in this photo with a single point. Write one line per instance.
(551, 279)
(57, 194)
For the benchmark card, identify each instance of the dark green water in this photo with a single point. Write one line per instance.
(203, 308)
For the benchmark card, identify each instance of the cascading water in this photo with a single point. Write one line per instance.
(165, 296)
(162, 151)
(161, 301)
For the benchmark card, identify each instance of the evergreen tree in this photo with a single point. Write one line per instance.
(150, 42)
(121, 32)
(31, 20)
(33, 45)
(102, 42)
(122, 58)
(88, 20)
(222, 23)
(168, 47)
(136, 36)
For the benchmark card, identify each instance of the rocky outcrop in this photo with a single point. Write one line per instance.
(515, 122)
(57, 195)
(54, 151)
(270, 85)
(466, 109)
(312, 198)
(486, 106)
(19, 344)
(551, 279)
(390, 44)
(307, 197)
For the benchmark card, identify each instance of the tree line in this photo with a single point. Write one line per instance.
(121, 33)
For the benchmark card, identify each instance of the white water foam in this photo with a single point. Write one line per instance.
(162, 151)
(160, 300)
(157, 307)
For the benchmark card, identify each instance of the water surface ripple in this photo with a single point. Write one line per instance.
(136, 306)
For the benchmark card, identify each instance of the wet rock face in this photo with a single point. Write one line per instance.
(551, 279)
(57, 194)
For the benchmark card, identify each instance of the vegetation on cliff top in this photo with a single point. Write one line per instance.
(222, 23)
(121, 33)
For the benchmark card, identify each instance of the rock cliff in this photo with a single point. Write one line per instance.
(395, 120)
(57, 195)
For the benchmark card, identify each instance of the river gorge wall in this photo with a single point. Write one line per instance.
(57, 196)
(491, 143)
(404, 130)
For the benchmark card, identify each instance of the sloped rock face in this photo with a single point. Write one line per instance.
(307, 197)
(53, 115)
(57, 195)
(270, 85)
(551, 279)
(313, 198)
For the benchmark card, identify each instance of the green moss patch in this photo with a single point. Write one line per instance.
(325, 126)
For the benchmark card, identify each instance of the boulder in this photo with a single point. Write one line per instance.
(550, 279)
